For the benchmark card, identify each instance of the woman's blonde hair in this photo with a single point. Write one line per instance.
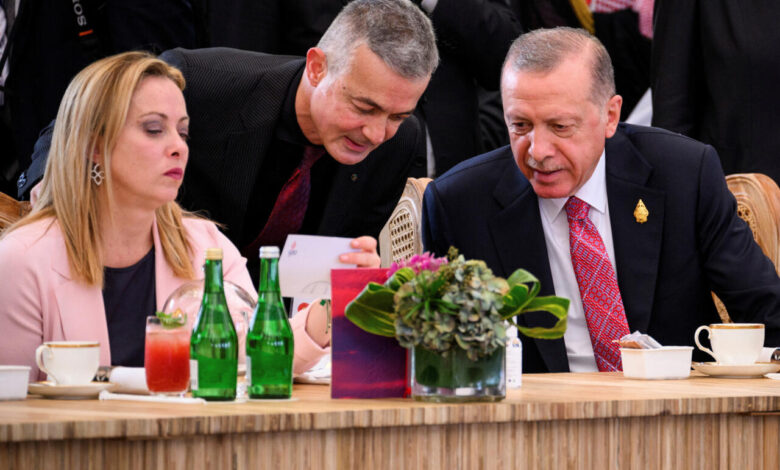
(90, 118)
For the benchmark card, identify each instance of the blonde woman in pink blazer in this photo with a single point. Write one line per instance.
(106, 209)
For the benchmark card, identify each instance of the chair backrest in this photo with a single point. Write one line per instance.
(11, 210)
(401, 237)
(758, 204)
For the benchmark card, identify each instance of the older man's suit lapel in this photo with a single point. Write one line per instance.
(247, 149)
(637, 245)
(519, 241)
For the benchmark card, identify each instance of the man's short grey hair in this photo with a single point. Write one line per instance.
(395, 30)
(542, 50)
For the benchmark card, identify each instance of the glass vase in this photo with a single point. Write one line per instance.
(456, 378)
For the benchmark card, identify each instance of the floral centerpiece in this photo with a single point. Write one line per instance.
(452, 314)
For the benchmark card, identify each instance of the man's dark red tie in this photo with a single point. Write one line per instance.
(290, 206)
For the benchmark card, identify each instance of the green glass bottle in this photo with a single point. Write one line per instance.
(269, 341)
(214, 342)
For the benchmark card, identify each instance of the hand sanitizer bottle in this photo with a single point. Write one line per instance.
(514, 358)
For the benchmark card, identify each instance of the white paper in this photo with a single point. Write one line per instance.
(305, 264)
(106, 395)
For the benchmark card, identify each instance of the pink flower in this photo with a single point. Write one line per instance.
(423, 262)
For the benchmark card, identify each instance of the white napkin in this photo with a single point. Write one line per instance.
(318, 374)
(106, 395)
(129, 380)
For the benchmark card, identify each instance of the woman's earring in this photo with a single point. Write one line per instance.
(97, 174)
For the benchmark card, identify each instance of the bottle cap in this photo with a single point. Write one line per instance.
(214, 253)
(269, 251)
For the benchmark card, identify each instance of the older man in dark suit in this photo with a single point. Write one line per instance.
(635, 225)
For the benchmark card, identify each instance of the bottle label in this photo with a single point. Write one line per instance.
(193, 374)
(249, 369)
(514, 363)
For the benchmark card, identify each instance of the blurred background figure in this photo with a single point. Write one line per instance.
(473, 37)
(623, 26)
(49, 41)
(716, 66)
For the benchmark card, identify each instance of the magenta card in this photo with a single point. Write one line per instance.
(363, 365)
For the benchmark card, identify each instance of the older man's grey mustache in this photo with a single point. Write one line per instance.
(541, 166)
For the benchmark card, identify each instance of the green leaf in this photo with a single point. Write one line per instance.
(444, 306)
(521, 299)
(515, 300)
(172, 320)
(412, 311)
(558, 306)
(521, 276)
(372, 310)
(399, 278)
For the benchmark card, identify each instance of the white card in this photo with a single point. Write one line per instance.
(305, 264)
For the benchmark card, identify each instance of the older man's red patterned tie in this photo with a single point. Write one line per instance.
(596, 278)
(290, 207)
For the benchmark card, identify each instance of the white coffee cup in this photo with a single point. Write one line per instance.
(69, 362)
(735, 344)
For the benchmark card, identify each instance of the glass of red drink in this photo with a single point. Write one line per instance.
(167, 357)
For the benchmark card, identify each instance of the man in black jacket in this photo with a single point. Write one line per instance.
(473, 37)
(253, 118)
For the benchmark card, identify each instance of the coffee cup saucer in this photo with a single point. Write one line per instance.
(715, 369)
(49, 389)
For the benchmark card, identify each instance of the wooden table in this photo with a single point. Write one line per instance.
(555, 420)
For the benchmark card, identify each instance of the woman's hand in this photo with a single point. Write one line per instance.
(318, 322)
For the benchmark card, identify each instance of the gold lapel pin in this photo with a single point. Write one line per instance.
(641, 212)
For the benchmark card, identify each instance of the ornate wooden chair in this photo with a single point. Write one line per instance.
(758, 204)
(400, 238)
(11, 210)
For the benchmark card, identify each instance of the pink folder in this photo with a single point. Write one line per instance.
(363, 365)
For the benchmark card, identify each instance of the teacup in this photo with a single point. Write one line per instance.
(735, 344)
(69, 362)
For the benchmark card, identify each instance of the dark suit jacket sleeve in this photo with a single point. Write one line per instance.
(477, 33)
(176, 58)
(676, 67)
(742, 276)
(435, 234)
(34, 173)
